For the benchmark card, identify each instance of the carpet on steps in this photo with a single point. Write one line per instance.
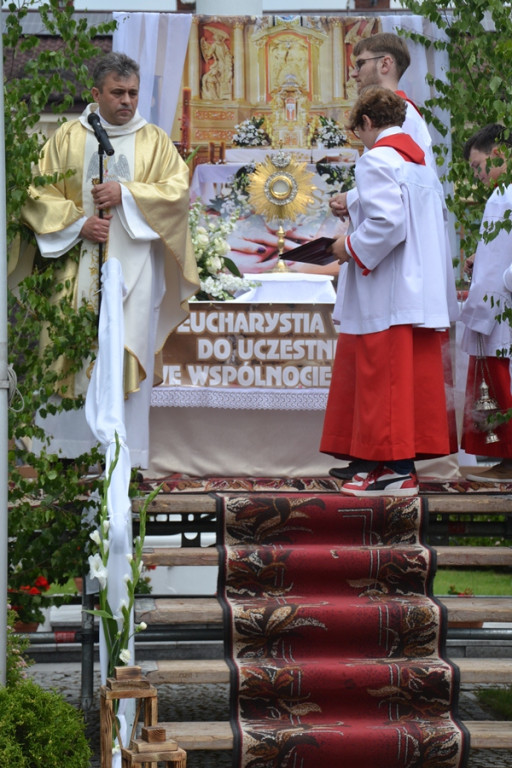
(335, 642)
(183, 484)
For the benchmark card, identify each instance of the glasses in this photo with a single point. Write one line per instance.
(359, 63)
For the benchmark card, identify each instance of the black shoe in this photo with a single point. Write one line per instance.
(355, 466)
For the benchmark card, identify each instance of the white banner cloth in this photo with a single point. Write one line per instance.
(158, 42)
(104, 411)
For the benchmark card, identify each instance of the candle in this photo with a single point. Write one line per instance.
(185, 119)
(222, 153)
(211, 151)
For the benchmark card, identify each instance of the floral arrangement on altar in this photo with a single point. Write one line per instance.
(326, 131)
(251, 133)
(220, 278)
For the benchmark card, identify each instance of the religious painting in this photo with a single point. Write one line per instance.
(253, 86)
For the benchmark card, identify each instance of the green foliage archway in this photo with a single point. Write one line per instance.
(47, 537)
(476, 91)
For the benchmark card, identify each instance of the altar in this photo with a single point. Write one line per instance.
(245, 384)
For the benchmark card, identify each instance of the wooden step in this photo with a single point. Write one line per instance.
(207, 610)
(474, 556)
(485, 734)
(438, 503)
(189, 671)
(179, 503)
(446, 556)
(470, 504)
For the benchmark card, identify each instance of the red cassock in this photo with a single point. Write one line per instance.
(390, 396)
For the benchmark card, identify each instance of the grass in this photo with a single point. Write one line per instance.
(498, 701)
(479, 582)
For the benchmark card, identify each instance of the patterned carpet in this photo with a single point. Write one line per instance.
(335, 643)
(184, 484)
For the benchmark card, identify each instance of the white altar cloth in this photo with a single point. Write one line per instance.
(220, 433)
(298, 288)
(240, 398)
(246, 155)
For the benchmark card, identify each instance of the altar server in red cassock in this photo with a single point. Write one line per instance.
(387, 401)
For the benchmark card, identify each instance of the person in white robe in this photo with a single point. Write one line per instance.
(382, 59)
(486, 338)
(139, 215)
(387, 401)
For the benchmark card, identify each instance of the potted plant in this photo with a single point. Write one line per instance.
(27, 602)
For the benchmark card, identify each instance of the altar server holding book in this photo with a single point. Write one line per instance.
(387, 401)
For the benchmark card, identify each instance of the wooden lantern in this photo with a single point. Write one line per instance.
(127, 683)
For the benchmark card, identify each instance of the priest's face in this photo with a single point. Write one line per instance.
(117, 98)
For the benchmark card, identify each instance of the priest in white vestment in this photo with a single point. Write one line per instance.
(140, 216)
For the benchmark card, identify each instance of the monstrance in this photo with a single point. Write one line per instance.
(280, 188)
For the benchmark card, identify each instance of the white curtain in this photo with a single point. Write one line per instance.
(158, 42)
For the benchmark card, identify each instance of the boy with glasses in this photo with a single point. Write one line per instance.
(380, 60)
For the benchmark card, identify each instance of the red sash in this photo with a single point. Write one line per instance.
(404, 145)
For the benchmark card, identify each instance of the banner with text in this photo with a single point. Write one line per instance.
(252, 345)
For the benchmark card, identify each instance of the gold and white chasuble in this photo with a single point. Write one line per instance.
(149, 236)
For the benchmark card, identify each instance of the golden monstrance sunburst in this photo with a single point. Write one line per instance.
(280, 188)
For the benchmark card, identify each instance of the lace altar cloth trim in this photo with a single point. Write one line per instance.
(240, 399)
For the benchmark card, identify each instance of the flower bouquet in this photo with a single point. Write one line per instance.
(250, 133)
(220, 278)
(327, 132)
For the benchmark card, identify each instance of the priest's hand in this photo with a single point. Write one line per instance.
(106, 195)
(96, 229)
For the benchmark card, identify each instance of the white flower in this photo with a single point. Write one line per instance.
(97, 570)
(115, 749)
(105, 527)
(129, 557)
(95, 536)
(125, 656)
(201, 238)
(213, 264)
(142, 626)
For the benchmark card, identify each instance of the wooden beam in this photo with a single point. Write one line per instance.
(194, 736)
(197, 671)
(446, 556)
(207, 610)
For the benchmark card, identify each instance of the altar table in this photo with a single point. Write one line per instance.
(227, 431)
(209, 432)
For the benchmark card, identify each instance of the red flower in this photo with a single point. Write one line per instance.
(43, 583)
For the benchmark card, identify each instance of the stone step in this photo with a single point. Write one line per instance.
(446, 556)
(493, 734)
(473, 671)
(207, 610)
